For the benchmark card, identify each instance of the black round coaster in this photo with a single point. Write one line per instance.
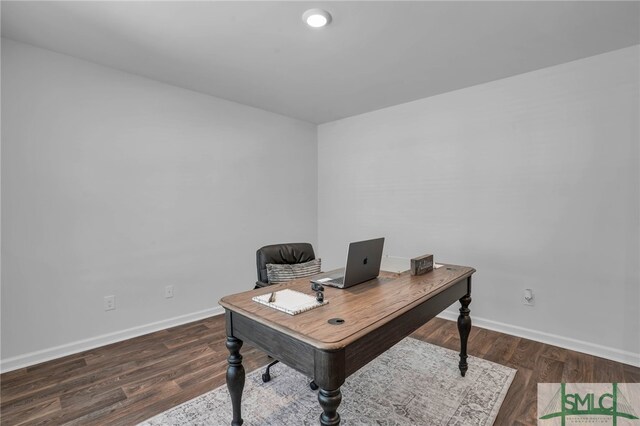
(336, 321)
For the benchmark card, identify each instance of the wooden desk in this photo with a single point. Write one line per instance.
(377, 315)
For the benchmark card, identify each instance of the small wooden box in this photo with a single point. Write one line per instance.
(422, 265)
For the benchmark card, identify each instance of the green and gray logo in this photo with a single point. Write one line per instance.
(588, 403)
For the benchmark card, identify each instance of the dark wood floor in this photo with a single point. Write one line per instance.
(127, 382)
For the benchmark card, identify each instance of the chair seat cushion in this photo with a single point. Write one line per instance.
(282, 272)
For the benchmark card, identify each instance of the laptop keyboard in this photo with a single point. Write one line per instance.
(338, 281)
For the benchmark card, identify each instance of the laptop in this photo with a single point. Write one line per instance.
(363, 264)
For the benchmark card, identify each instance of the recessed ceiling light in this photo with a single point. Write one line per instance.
(316, 18)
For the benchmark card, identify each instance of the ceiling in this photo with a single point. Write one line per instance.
(373, 55)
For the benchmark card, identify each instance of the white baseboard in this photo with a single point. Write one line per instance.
(37, 357)
(613, 354)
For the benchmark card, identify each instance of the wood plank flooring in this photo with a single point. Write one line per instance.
(130, 381)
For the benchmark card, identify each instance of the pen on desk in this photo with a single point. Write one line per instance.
(272, 297)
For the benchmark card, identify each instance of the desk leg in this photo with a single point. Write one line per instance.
(329, 401)
(235, 378)
(464, 327)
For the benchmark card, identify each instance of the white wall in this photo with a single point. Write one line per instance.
(116, 184)
(113, 184)
(533, 180)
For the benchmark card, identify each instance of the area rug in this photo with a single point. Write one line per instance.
(413, 383)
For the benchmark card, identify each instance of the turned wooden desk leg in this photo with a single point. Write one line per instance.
(235, 378)
(464, 327)
(329, 401)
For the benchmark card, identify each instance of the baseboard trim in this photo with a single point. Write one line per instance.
(613, 354)
(37, 357)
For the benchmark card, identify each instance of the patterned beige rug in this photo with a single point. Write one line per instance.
(413, 383)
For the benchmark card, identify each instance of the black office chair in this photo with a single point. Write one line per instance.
(290, 253)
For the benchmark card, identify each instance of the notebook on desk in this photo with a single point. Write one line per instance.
(363, 264)
(290, 301)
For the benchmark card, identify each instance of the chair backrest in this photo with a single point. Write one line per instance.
(281, 253)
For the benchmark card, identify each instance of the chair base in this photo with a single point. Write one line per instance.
(266, 376)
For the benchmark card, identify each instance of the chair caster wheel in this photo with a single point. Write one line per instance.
(266, 377)
(313, 386)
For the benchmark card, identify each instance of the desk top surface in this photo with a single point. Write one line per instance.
(364, 307)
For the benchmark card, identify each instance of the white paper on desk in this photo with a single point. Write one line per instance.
(399, 264)
(396, 265)
(290, 301)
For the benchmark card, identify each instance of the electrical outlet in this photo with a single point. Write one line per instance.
(109, 303)
(168, 291)
(528, 298)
